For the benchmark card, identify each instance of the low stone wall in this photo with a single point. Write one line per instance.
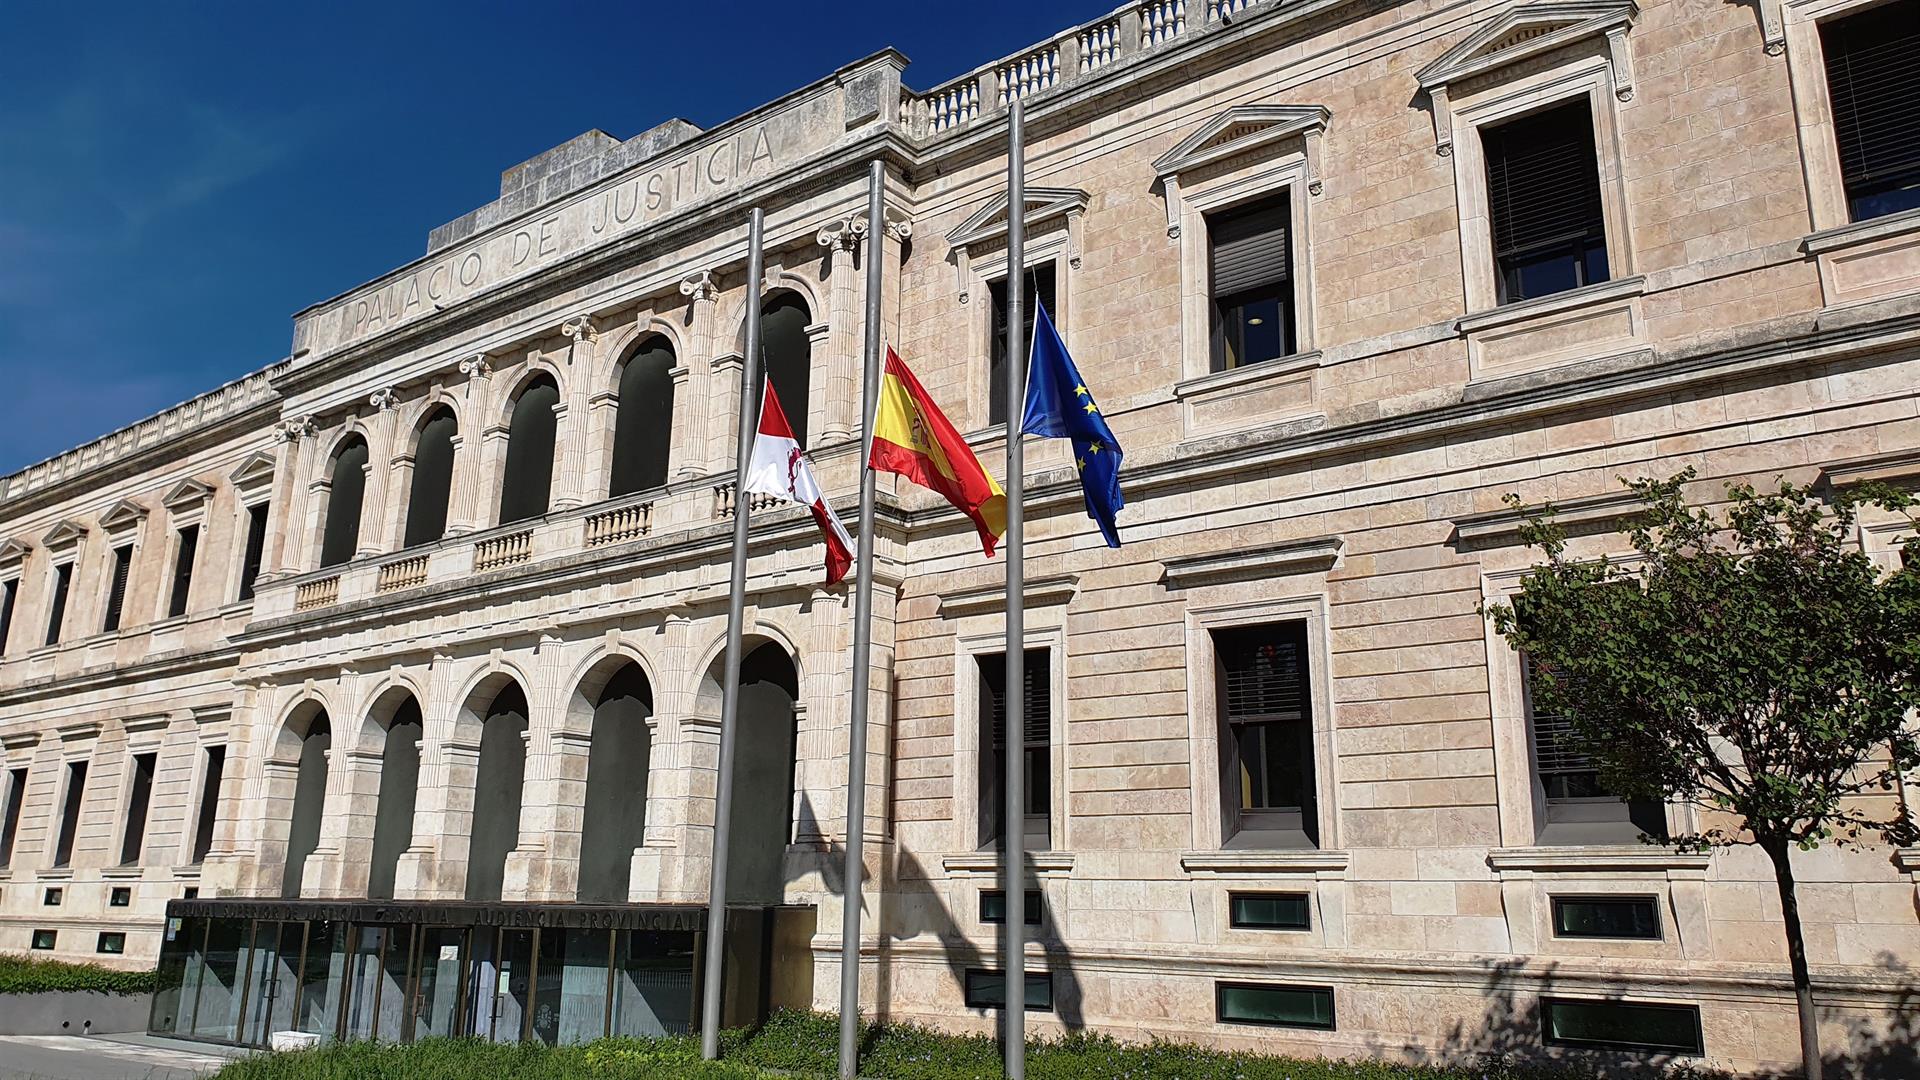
(75, 1012)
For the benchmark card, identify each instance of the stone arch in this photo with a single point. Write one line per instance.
(432, 444)
(613, 703)
(709, 691)
(764, 769)
(497, 714)
(304, 742)
(533, 430)
(344, 482)
(511, 391)
(643, 425)
(391, 732)
(616, 342)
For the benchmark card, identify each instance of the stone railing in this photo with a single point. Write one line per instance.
(725, 501)
(619, 524)
(497, 551)
(160, 429)
(316, 594)
(402, 574)
(1082, 52)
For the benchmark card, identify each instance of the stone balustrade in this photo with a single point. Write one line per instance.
(402, 574)
(619, 524)
(495, 552)
(1027, 75)
(1099, 45)
(316, 594)
(726, 501)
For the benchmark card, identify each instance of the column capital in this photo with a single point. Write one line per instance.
(699, 287)
(476, 367)
(842, 235)
(580, 329)
(383, 399)
(300, 427)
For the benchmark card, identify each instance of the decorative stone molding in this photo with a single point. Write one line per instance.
(1901, 468)
(1642, 857)
(842, 235)
(384, 399)
(124, 517)
(1316, 555)
(1593, 513)
(253, 473)
(476, 367)
(1270, 861)
(699, 287)
(185, 496)
(1240, 130)
(989, 223)
(64, 537)
(13, 552)
(988, 862)
(580, 329)
(989, 599)
(1525, 31)
(899, 225)
(1773, 27)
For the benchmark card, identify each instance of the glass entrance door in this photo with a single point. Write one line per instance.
(377, 983)
(273, 984)
(435, 1006)
(502, 983)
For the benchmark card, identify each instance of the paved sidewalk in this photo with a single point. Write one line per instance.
(107, 1057)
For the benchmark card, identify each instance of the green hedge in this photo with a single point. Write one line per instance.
(24, 975)
(807, 1044)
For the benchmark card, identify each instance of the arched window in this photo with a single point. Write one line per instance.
(789, 355)
(763, 773)
(616, 807)
(432, 479)
(529, 478)
(399, 787)
(347, 490)
(309, 801)
(643, 431)
(496, 795)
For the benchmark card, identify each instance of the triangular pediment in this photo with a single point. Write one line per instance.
(1238, 130)
(257, 469)
(186, 495)
(990, 221)
(122, 515)
(13, 551)
(1524, 31)
(64, 535)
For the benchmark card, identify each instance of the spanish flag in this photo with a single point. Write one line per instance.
(912, 438)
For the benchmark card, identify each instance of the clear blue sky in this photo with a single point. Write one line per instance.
(177, 179)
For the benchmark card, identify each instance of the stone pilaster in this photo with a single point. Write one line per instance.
(842, 358)
(691, 386)
(574, 480)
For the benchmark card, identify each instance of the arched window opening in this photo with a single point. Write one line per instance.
(399, 786)
(432, 479)
(496, 794)
(347, 490)
(309, 802)
(616, 805)
(783, 336)
(530, 434)
(763, 777)
(643, 429)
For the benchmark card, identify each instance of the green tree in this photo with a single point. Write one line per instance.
(1752, 662)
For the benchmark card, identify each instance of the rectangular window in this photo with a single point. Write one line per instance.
(256, 549)
(183, 570)
(44, 939)
(209, 803)
(1619, 1025)
(122, 896)
(57, 613)
(111, 942)
(1252, 279)
(139, 795)
(988, 990)
(1036, 722)
(70, 812)
(993, 906)
(1543, 191)
(53, 897)
(1266, 744)
(1579, 808)
(10, 828)
(1268, 911)
(117, 589)
(1873, 79)
(1039, 288)
(1606, 917)
(9, 589)
(1274, 1006)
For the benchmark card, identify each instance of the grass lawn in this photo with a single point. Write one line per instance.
(807, 1044)
(25, 975)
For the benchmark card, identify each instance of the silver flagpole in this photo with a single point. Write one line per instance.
(862, 652)
(736, 605)
(1013, 829)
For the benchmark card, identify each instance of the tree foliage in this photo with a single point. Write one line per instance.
(1752, 662)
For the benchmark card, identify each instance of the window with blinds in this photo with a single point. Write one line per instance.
(1579, 808)
(117, 590)
(1036, 725)
(1543, 193)
(1873, 81)
(70, 813)
(1265, 702)
(189, 546)
(1040, 289)
(256, 549)
(1251, 276)
(57, 611)
(133, 840)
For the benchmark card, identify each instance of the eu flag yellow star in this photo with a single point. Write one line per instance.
(1092, 408)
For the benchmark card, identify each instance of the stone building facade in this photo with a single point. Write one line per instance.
(431, 611)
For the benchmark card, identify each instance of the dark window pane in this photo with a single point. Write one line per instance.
(1251, 279)
(988, 990)
(993, 906)
(53, 897)
(117, 589)
(1039, 288)
(8, 590)
(122, 896)
(139, 795)
(111, 942)
(256, 549)
(10, 829)
(432, 484)
(1543, 191)
(1617, 1025)
(62, 581)
(1606, 917)
(44, 939)
(70, 812)
(529, 471)
(209, 802)
(1275, 1006)
(1266, 706)
(1036, 734)
(346, 491)
(789, 358)
(189, 547)
(1268, 911)
(643, 428)
(1873, 79)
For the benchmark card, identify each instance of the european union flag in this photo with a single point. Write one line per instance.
(1059, 406)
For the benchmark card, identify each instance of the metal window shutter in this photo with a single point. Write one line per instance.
(1553, 739)
(1264, 674)
(1543, 181)
(117, 593)
(1250, 247)
(1873, 77)
(1035, 717)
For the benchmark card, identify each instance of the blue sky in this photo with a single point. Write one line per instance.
(177, 179)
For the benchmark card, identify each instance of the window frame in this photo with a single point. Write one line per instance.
(128, 789)
(1800, 39)
(1556, 901)
(59, 609)
(1303, 896)
(9, 609)
(967, 994)
(1048, 248)
(1026, 752)
(245, 588)
(1034, 908)
(1289, 176)
(183, 565)
(968, 734)
(1221, 986)
(1548, 1003)
(52, 938)
(119, 937)
(12, 810)
(58, 830)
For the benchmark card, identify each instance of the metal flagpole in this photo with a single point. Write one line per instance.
(862, 653)
(736, 606)
(1013, 828)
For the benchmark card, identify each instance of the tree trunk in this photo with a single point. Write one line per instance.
(1778, 850)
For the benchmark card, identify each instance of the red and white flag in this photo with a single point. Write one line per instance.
(780, 468)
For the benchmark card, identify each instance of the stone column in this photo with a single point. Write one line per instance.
(723, 417)
(493, 468)
(657, 867)
(603, 412)
(842, 359)
(434, 865)
(399, 479)
(573, 483)
(380, 497)
(691, 452)
(312, 532)
(339, 867)
(529, 866)
(289, 511)
(463, 501)
(892, 250)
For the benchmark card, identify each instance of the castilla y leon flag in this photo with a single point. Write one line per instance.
(780, 468)
(912, 437)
